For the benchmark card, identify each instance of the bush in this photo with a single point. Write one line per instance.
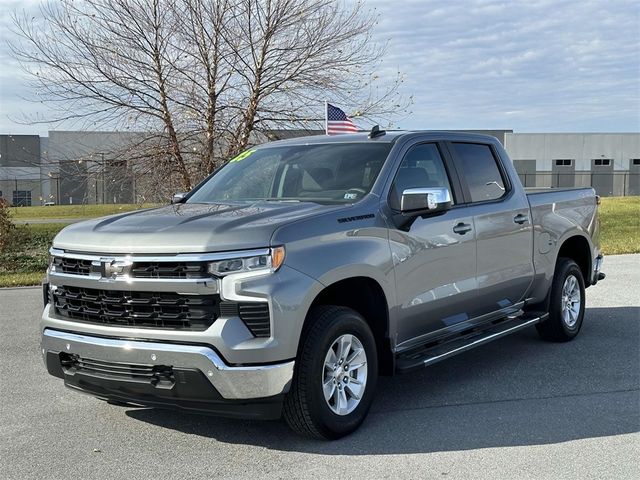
(6, 225)
(26, 249)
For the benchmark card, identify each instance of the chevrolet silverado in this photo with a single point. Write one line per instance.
(293, 276)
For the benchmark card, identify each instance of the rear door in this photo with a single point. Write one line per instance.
(504, 236)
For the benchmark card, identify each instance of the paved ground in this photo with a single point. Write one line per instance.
(517, 408)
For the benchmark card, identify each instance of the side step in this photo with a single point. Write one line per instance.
(434, 353)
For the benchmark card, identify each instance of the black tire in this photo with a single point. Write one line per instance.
(555, 328)
(305, 409)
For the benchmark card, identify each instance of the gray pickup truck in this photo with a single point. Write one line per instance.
(293, 276)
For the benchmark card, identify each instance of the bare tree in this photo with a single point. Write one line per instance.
(203, 75)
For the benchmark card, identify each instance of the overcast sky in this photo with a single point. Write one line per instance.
(530, 66)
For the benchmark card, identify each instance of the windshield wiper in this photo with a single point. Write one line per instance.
(295, 200)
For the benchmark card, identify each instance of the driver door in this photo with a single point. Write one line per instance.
(434, 256)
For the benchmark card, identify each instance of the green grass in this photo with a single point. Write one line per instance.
(20, 279)
(25, 260)
(620, 225)
(72, 211)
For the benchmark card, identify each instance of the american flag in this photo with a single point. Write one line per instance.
(338, 122)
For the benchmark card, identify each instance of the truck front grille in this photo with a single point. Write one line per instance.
(72, 266)
(136, 309)
(169, 270)
(157, 375)
(77, 266)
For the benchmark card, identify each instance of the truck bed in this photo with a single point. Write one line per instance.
(554, 212)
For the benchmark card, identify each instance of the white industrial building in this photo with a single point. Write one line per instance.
(91, 167)
(610, 162)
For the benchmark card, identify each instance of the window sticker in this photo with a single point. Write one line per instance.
(242, 156)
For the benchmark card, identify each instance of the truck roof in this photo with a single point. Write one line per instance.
(389, 136)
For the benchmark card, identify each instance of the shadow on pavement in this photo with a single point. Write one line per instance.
(514, 392)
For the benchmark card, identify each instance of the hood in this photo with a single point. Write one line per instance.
(186, 228)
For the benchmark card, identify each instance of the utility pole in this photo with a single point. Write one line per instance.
(103, 182)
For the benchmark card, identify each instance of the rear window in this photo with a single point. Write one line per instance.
(480, 170)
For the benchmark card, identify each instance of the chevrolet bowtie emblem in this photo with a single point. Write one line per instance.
(110, 268)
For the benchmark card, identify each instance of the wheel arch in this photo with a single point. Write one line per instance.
(574, 245)
(578, 248)
(366, 296)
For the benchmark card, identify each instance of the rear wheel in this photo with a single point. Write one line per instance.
(567, 302)
(335, 375)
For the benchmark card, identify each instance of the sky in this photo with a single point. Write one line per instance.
(529, 66)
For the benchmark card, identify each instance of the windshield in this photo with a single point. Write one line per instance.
(325, 173)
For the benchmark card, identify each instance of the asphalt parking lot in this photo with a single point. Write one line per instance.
(517, 408)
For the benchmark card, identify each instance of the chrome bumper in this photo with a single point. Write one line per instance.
(231, 382)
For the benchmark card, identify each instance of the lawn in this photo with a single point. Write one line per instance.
(620, 225)
(25, 259)
(72, 211)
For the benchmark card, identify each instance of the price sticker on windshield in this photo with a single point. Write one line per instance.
(242, 156)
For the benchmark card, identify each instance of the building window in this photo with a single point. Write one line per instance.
(21, 198)
(635, 161)
(564, 162)
(602, 162)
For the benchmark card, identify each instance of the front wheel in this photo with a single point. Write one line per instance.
(567, 302)
(335, 375)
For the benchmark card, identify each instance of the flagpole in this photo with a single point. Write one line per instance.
(326, 117)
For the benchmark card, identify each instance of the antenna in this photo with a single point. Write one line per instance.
(376, 132)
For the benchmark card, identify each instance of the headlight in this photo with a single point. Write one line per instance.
(52, 265)
(269, 262)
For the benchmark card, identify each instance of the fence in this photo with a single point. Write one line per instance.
(606, 184)
(65, 190)
(126, 188)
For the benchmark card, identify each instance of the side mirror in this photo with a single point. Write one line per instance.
(178, 197)
(421, 201)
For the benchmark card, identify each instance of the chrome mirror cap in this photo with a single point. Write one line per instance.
(425, 200)
(178, 197)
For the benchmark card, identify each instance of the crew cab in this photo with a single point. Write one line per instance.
(292, 277)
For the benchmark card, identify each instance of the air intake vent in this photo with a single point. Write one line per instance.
(255, 316)
(156, 375)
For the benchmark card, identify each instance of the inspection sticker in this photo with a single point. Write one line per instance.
(242, 156)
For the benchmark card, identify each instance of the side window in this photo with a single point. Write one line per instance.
(480, 170)
(422, 167)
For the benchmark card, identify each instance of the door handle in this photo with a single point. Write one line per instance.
(462, 228)
(520, 218)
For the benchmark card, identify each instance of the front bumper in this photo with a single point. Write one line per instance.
(127, 370)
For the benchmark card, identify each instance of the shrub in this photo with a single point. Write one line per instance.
(6, 225)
